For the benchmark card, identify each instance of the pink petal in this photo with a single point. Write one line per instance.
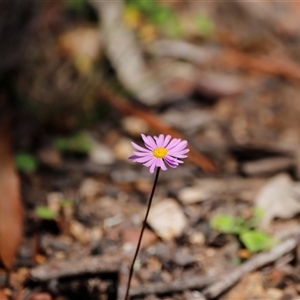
(171, 162)
(173, 159)
(147, 142)
(152, 141)
(176, 153)
(140, 154)
(175, 150)
(160, 140)
(181, 145)
(152, 168)
(133, 157)
(180, 156)
(162, 165)
(149, 163)
(139, 147)
(166, 141)
(173, 144)
(143, 159)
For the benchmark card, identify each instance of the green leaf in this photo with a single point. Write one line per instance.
(205, 25)
(78, 143)
(161, 15)
(25, 162)
(172, 27)
(67, 202)
(228, 224)
(145, 6)
(256, 240)
(45, 213)
(76, 5)
(255, 220)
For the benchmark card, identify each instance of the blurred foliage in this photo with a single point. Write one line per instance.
(162, 17)
(205, 25)
(227, 224)
(77, 6)
(78, 143)
(67, 202)
(25, 162)
(254, 240)
(45, 213)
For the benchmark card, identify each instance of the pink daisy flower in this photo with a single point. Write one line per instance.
(160, 150)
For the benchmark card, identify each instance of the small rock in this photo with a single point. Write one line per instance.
(183, 257)
(188, 120)
(278, 198)
(61, 243)
(274, 294)
(112, 221)
(191, 195)
(196, 295)
(50, 157)
(123, 149)
(79, 232)
(197, 238)
(95, 234)
(83, 45)
(131, 237)
(250, 287)
(26, 252)
(124, 176)
(134, 126)
(167, 219)
(143, 186)
(217, 85)
(90, 189)
(100, 154)
(54, 201)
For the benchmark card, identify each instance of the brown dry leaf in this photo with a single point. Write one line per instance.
(2, 296)
(11, 221)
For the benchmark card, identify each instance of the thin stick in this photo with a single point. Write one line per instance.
(141, 235)
(229, 279)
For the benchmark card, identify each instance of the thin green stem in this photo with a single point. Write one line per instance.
(141, 235)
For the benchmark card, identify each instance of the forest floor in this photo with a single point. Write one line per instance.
(225, 224)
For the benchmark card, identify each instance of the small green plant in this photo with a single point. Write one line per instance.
(205, 25)
(45, 213)
(253, 239)
(78, 143)
(163, 17)
(67, 202)
(25, 162)
(78, 6)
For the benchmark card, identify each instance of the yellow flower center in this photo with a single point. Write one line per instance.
(160, 152)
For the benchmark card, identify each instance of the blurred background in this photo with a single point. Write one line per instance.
(81, 79)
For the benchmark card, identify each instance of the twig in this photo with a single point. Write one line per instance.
(258, 261)
(91, 264)
(196, 282)
(267, 166)
(228, 58)
(284, 68)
